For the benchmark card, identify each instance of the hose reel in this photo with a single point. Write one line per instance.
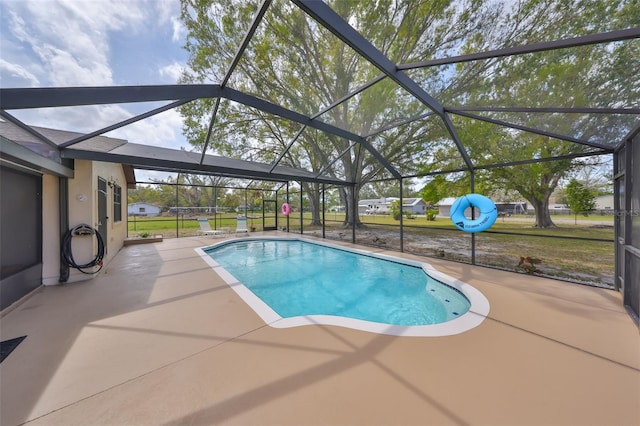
(82, 230)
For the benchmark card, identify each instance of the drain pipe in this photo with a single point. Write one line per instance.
(63, 207)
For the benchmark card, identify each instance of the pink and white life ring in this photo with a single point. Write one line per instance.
(286, 209)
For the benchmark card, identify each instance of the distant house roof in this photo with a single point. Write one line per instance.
(448, 201)
(412, 201)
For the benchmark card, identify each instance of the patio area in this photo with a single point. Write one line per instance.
(159, 338)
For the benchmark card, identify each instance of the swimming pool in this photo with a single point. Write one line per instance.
(293, 281)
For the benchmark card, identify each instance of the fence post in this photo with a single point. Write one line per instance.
(401, 221)
(323, 210)
(301, 211)
(177, 209)
(473, 216)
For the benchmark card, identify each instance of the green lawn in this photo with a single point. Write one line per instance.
(169, 225)
(573, 258)
(514, 224)
(183, 225)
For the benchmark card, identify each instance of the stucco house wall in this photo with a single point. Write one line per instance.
(50, 229)
(83, 209)
(78, 179)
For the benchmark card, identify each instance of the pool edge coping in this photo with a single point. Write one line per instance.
(476, 314)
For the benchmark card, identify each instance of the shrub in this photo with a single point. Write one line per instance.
(395, 209)
(431, 214)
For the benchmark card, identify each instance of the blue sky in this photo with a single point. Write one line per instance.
(59, 43)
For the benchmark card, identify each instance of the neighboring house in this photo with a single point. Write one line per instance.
(375, 206)
(414, 205)
(42, 196)
(143, 209)
(444, 206)
(383, 205)
(605, 202)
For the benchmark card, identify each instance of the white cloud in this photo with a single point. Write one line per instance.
(17, 25)
(160, 130)
(67, 70)
(151, 175)
(18, 71)
(172, 71)
(168, 11)
(72, 43)
(69, 42)
(70, 38)
(75, 119)
(179, 30)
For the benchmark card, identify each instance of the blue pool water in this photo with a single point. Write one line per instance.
(298, 278)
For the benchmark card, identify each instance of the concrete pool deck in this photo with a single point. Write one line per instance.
(159, 338)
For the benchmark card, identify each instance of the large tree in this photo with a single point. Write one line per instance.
(588, 76)
(295, 63)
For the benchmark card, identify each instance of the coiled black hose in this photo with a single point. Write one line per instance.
(67, 253)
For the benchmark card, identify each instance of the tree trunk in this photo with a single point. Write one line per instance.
(351, 212)
(543, 218)
(313, 192)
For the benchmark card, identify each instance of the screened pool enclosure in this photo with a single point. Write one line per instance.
(344, 110)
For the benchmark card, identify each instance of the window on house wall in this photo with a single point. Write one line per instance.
(117, 203)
